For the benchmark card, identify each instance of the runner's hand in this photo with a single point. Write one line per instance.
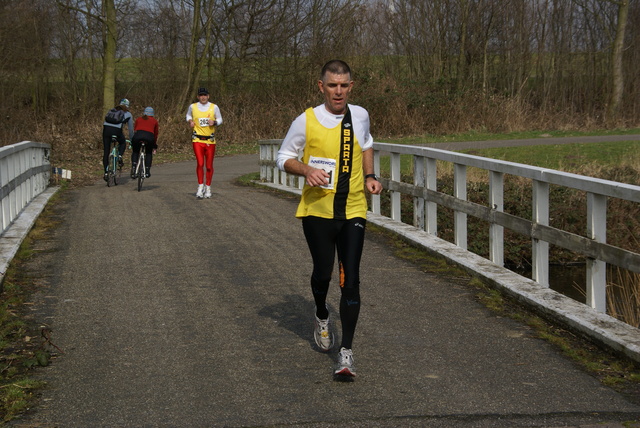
(317, 177)
(374, 186)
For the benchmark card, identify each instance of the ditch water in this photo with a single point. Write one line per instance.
(567, 279)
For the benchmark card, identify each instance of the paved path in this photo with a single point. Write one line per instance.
(177, 312)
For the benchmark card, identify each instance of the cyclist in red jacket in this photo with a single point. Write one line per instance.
(146, 129)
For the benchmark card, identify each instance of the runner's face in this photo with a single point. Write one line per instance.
(203, 98)
(336, 89)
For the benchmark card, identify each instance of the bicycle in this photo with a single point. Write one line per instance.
(114, 169)
(140, 172)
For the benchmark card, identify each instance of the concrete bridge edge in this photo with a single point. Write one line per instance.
(13, 237)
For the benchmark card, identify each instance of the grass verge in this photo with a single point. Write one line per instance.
(24, 346)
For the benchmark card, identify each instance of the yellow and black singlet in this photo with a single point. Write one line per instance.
(202, 132)
(337, 151)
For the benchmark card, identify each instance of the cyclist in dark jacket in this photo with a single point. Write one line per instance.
(110, 129)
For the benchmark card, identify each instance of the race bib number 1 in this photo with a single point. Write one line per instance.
(203, 121)
(329, 166)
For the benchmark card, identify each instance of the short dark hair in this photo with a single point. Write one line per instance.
(335, 66)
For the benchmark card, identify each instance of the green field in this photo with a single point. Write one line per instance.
(579, 158)
(568, 157)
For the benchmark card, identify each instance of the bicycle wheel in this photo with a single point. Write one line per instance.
(114, 168)
(141, 169)
(110, 174)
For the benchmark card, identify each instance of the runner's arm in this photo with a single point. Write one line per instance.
(217, 115)
(314, 176)
(190, 116)
(292, 144)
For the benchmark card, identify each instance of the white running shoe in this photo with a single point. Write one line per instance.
(345, 363)
(200, 192)
(207, 191)
(322, 334)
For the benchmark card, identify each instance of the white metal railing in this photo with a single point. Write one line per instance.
(593, 246)
(24, 173)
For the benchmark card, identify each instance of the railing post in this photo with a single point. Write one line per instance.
(24, 191)
(14, 197)
(265, 171)
(5, 178)
(395, 196)
(277, 176)
(375, 199)
(460, 192)
(496, 232)
(418, 202)
(540, 249)
(597, 269)
(301, 179)
(431, 207)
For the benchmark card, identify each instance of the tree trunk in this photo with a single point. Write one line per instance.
(617, 51)
(464, 22)
(109, 59)
(196, 64)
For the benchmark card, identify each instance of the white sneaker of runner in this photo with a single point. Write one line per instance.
(345, 363)
(207, 191)
(200, 192)
(322, 334)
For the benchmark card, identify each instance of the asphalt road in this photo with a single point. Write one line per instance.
(177, 312)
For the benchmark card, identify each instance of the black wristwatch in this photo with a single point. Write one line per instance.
(372, 176)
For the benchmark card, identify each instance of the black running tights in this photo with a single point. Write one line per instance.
(324, 237)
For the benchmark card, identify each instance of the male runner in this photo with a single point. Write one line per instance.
(337, 164)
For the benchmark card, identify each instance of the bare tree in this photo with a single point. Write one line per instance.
(552, 59)
(610, 16)
(24, 54)
(108, 18)
(200, 40)
(463, 11)
(617, 52)
(109, 57)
